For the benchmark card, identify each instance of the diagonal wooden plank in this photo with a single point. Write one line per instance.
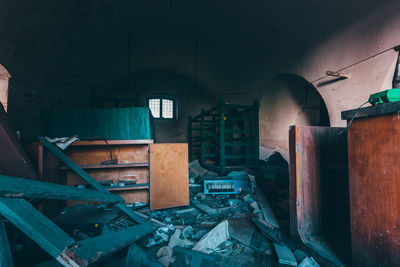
(87, 177)
(5, 251)
(40, 229)
(24, 188)
(94, 248)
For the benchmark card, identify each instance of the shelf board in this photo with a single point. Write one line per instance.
(110, 166)
(129, 187)
(112, 142)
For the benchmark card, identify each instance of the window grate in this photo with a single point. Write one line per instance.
(162, 108)
(167, 109)
(154, 105)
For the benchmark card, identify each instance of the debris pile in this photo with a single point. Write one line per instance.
(229, 223)
(219, 229)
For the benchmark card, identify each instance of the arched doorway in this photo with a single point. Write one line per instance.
(287, 100)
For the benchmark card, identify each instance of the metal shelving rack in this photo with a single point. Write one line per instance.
(225, 137)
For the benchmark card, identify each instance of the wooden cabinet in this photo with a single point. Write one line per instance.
(153, 173)
(374, 176)
(129, 178)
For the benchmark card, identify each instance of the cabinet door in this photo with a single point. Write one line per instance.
(169, 176)
(319, 191)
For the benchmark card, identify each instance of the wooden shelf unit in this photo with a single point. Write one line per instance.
(137, 159)
(133, 165)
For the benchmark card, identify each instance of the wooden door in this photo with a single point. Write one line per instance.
(319, 196)
(169, 176)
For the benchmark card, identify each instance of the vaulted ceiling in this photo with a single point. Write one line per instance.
(221, 44)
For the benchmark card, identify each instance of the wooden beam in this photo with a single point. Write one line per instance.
(92, 249)
(83, 174)
(40, 229)
(23, 188)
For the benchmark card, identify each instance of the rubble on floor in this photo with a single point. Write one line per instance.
(215, 230)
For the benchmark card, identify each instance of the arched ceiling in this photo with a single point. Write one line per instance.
(102, 42)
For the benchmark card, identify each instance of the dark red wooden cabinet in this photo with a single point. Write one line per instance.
(374, 179)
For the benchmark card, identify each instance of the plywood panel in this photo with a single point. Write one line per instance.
(374, 152)
(169, 181)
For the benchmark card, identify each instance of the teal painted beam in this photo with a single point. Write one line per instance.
(83, 174)
(98, 247)
(40, 229)
(26, 188)
(5, 251)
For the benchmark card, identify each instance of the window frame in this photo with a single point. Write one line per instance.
(161, 98)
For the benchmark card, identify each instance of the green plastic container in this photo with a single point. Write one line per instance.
(391, 95)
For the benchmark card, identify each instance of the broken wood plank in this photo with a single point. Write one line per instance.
(266, 209)
(87, 177)
(5, 251)
(285, 255)
(24, 188)
(150, 219)
(98, 247)
(267, 230)
(40, 229)
(203, 207)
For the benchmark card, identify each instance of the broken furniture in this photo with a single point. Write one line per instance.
(319, 193)
(166, 164)
(49, 236)
(374, 176)
(128, 177)
(225, 137)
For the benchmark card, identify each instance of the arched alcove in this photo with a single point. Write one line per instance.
(288, 99)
